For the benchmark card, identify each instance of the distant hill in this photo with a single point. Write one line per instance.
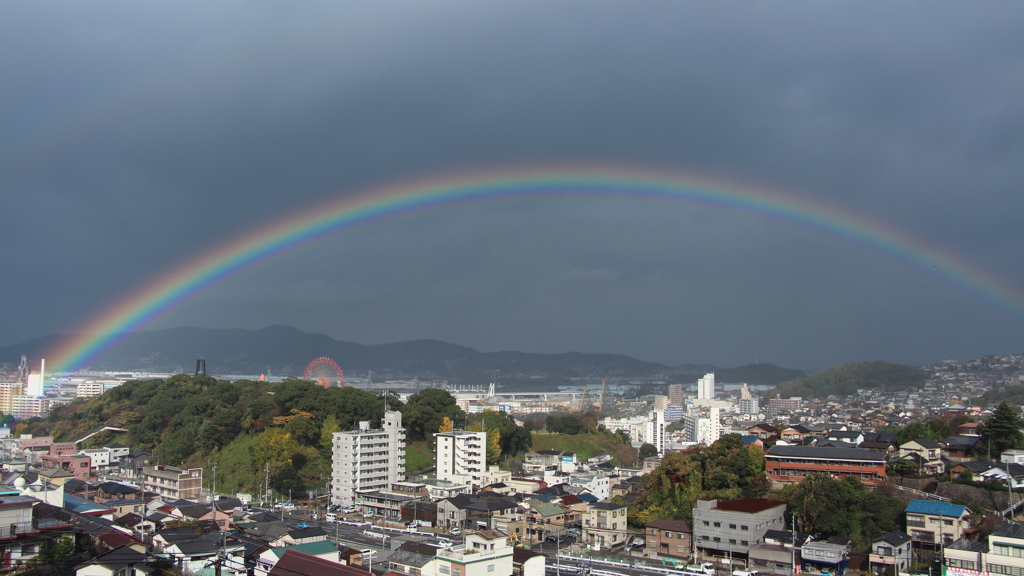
(848, 378)
(755, 374)
(285, 351)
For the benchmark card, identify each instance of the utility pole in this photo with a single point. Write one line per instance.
(792, 551)
(266, 487)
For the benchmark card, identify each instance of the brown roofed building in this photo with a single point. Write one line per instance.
(668, 538)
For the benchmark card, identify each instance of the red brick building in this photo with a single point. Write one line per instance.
(789, 464)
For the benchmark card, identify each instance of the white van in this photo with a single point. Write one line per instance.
(331, 517)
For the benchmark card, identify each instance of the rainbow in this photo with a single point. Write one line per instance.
(185, 282)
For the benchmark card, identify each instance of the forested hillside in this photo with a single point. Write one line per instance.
(244, 426)
(848, 378)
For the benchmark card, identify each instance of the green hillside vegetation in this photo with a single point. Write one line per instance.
(587, 446)
(1012, 394)
(248, 427)
(418, 456)
(846, 379)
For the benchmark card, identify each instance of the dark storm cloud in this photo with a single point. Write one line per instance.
(138, 137)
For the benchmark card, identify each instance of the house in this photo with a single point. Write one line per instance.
(173, 482)
(848, 436)
(795, 434)
(294, 562)
(604, 525)
(763, 430)
(960, 448)
(890, 553)
(924, 453)
(651, 464)
(668, 538)
(268, 559)
(1005, 473)
(415, 558)
(527, 562)
(730, 527)
(467, 511)
(936, 523)
(535, 520)
(484, 553)
(120, 561)
(791, 464)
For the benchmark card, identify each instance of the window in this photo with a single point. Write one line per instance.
(444, 570)
(706, 523)
(717, 539)
(732, 526)
(490, 567)
(718, 524)
(732, 540)
(744, 527)
(965, 564)
(1010, 570)
(668, 534)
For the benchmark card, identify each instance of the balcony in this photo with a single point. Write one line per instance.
(916, 524)
(14, 529)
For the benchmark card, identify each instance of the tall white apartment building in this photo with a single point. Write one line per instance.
(654, 430)
(706, 429)
(706, 387)
(460, 456)
(366, 459)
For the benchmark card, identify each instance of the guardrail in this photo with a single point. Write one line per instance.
(922, 493)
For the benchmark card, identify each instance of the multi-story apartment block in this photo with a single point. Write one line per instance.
(460, 456)
(790, 464)
(654, 430)
(936, 523)
(779, 404)
(365, 459)
(8, 390)
(749, 406)
(706, 387)
(675, 395)
(703, 429)
(660, 402)
(25, 406)
(173, 483)
(731, 527)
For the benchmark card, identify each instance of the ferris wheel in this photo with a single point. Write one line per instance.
(325, 372)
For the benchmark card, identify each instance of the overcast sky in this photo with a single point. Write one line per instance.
(135, 136)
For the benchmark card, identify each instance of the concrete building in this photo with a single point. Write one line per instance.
(730, 527)
(675, 395)
(1000, 554)
(654, 430)
(890, 554)
(8, 390)
(749, 406)
(173, 483)
(706, 387)
(660, 402)
(779, 405)
(26, 406)
(597, 484)
(366, 459)
(460, 456)
(703, 429)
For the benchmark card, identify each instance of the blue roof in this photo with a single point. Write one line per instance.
(588, 497)
(936, 508)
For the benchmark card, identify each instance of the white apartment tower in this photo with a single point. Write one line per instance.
(654, 430)
(460, 456)
(703, 429)
(706, 387)
(366, 459)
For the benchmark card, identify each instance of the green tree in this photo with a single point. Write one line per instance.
(648, 451)
(1003, 430)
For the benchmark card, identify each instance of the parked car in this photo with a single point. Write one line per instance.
(455, 531)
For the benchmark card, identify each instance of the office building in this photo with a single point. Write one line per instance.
(366, 459)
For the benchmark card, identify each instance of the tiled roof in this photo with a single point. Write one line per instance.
(935, 508)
